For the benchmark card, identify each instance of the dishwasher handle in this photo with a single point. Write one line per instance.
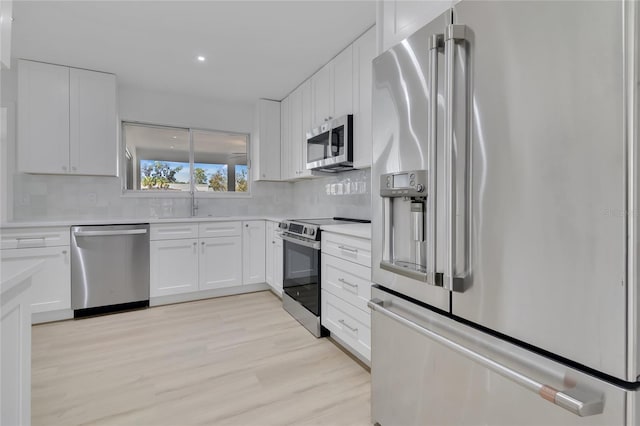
(109, 233)
(584, 405)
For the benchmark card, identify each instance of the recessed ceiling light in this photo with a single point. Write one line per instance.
(201, 58)
(174, 137)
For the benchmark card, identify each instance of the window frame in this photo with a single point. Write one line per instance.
(139, 193)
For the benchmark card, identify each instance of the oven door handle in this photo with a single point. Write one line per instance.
(311, 244)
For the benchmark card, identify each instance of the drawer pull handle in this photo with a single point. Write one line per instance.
(345, 248)
(354, 329)
(343, 281)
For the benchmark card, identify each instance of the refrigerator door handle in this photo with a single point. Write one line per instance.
(436, 44)
(455, 33)
(579, 402)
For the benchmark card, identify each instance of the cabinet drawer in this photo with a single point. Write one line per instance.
(51, 285)
(35, 237)
(347, 280)
(348, 323)
(173, 231)
(219, 229)
(355, 249)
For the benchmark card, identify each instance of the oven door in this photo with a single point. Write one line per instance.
(301, 272)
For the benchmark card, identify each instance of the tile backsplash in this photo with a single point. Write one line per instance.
(50, 197)
(346, 194)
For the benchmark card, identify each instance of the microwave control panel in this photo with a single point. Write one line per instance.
(411, 183)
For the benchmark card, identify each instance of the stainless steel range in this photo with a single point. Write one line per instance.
(301, 269)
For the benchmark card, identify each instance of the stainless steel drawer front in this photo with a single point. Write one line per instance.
(425, 366)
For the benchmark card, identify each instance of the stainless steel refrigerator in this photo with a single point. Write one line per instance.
(505, 221)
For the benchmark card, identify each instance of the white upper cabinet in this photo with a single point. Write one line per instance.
(341, 87)
(6, 19)
(286, 172)
(342, 69)
(306, 115)
(265, 144)
(296, 142)
(331, 87)
(93, 147)
(67, 121)
(322, 96)
(364, 50)
(43, 118)
(400, 19)
(299, 121)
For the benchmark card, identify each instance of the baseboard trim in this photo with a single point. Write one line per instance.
(51, 316)
(206, 294)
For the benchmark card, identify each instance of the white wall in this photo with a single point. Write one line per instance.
(51, 197)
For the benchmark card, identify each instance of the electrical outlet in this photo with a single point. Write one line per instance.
(92, 198)
(26, 200)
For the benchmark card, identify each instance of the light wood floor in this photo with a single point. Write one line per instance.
(233, 360)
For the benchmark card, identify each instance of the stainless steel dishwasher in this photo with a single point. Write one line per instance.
(109, 268)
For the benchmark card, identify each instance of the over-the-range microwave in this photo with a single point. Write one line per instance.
(330, 146)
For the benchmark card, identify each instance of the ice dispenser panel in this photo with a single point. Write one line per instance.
(407, 241)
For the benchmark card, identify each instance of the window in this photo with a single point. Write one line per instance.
(161, 159)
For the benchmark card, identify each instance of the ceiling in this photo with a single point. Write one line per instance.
(253, 49)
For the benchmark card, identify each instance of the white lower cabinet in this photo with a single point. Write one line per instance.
(174, 266)
(204, 257)
(269, 252)
(220, 262)
(273, 260)
(350, 324)
(50, 286)
(278, 272)
(346, 289)
(346, 280)
(15, 362)
(253, 252)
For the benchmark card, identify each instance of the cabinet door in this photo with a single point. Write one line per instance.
(277, 266)
(43, 118)
(298, 141)
(253, 252)
(305, 110)
(265, 144)
(269, 252)
(15, 363)
(6, 11)
(51, 286)
(174, 267)
(348, 323)
(93, 142)
(364, 50)
(219, 229)
(220, 262)
(400, 19)
(342, 69)
(322, 95)
(286, 170)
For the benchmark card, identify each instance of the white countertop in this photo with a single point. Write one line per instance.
(117, 221)
(361, 230)
(14, 273)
